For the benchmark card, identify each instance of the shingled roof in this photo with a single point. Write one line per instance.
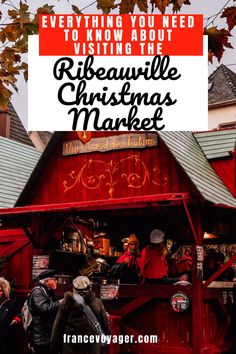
(223, 87)
(190, 156)
(217, 143)
(17, 161)
(17, 130)
(45, 136)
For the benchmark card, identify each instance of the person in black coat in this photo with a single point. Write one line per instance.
(72, 320)
(8, 317)
(43, 307)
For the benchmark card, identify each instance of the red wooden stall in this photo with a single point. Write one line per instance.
(129, 183)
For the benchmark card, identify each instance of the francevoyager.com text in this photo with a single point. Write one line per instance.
(108, 339)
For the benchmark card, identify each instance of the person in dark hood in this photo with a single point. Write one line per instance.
(43, 307)
(74, 320)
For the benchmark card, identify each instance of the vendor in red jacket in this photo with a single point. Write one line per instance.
(131, 262)
(153, 260)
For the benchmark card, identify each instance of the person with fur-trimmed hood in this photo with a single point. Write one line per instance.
(8, 316)
(74, 319)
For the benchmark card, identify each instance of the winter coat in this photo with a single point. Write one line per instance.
(72, 320)
(184, 265)
(153, 263)
(8, 311)
(128, 267)
(43, 307)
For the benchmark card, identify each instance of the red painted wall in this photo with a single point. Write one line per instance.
(18, 268)
(112, 174)
(225, 169)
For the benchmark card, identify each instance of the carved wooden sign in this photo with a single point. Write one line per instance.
(119, 142)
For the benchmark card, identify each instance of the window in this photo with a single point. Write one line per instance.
(227, 125)
(210, 85)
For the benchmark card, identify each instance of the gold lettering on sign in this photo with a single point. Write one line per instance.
(70, 149)
(119, 142)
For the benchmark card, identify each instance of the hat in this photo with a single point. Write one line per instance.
(46, 274)
(81, 283)
(6, 288)
(157, 236)
(133, 238)
(125, 240)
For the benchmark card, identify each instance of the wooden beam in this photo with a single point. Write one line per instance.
(128, 202)
(30, 236)
(190, 220)
(197, 292)
(13, 248)
(220, 271)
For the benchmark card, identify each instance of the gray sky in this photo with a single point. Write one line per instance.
(206, 7)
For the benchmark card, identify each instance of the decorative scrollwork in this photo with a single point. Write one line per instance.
(94, 172)
(89, 179)
(156, 176)
(135, 179)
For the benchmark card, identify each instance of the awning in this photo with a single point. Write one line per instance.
(18, 213)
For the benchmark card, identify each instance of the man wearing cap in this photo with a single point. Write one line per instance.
(43, 307)
(130, 262)
(80, 314)
(153, 259)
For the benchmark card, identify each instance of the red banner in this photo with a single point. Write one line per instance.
(121, 35)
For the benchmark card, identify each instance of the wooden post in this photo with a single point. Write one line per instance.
(197, 293)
